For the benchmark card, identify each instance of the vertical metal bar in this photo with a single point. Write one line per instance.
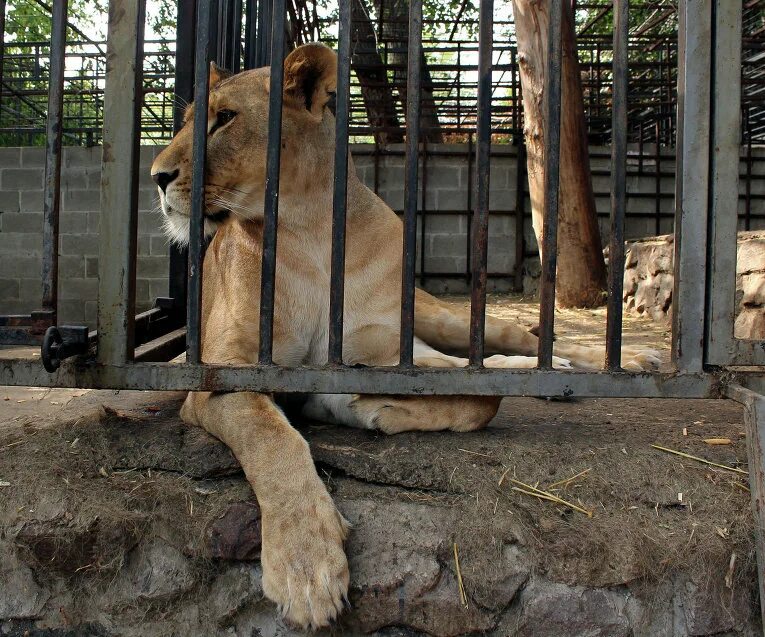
(482, 161)
(184, 93)
(423, 211)
(214, 33)
(618, 185)
(52, 185)
(123, 100)
(339, 196)
(184, 60)
(413, 82)
(657, 181)
(236, 46)
(2, 40)
(265, 13)
(520, 211)
(551, 183)
(250, 34)
(469, 209)
(692, 184)
(271, 202)
(723, 226)
(748, 184)
(198, 162)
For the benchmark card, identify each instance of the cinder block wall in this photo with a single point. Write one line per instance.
(446, 177)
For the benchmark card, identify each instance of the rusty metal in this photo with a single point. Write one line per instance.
(480, 233)
(119, 181)
(692, 184)
(271, 201)
(549, 255)
(340, 188)
(52, 184)
(618, 185)
(198, 171)
(413, 82)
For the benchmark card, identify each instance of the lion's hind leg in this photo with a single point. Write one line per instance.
(394, 414)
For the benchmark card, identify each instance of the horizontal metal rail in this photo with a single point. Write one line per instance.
(370, 380)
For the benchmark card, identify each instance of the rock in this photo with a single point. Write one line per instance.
(649, 281)
(67, 545)
(750, 323)
(233, 589)
(166, 444)
(753, 286)
(557, 610)
(157, 572)
(412, 589)
(710, 610)
(20, 595)
(751, 255)
(235, 535)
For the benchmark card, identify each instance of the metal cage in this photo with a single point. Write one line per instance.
(133, 352)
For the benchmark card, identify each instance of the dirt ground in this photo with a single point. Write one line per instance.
(116, 518)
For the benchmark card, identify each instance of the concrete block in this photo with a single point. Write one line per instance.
(82, 200)
(78, 288)
(74, 222)
(31, 201)
(22, 222)
(439, 176)
(20, 243)
(9, 201)
(152, 267)
(71, 266)
(10, 157)
(447, 245)
(32, 156)
(94, 222)
(448, 199)
(74, 178)
(502, 199)
(30, 289)
(19, 266)
(446, 265)
(79, 156)
(21, 178)
(143, 246)
(159, 245)
(445, 224)
(91, 267)
(9, 290)
(86, 244)
(157, 287)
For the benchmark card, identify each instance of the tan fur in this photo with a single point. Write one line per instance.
(304, 567)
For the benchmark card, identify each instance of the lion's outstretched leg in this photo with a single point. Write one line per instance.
(394, 414)
(305, 570)
(447, 327)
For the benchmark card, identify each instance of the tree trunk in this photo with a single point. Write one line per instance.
(581, 273)
(395, 26)
(376, 90)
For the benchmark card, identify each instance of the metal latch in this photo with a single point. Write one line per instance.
(61, 342)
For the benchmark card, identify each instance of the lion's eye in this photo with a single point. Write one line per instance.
(222, 118)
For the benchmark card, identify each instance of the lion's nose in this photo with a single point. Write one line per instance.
(163, 179)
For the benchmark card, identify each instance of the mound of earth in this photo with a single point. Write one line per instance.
(117, 519)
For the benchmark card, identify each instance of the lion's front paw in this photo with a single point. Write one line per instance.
(636, 359)
(305, 571)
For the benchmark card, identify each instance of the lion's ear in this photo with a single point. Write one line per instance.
(217, 74)
(310, 77)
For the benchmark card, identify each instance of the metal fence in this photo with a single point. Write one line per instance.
(378, 79)
(131, 352)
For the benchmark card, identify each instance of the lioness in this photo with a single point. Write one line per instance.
(304, 566)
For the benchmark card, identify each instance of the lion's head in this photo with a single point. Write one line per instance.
(237, 135)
